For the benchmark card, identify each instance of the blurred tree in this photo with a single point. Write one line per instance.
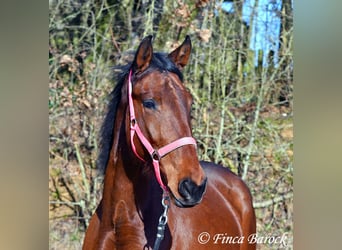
(285, 35)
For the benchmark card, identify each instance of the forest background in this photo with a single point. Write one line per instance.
(240, 75)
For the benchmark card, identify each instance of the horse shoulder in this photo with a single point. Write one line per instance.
(91, 235)
(231, 185)
(128, 230)
(236, 193)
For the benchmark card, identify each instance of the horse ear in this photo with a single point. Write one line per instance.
(181, 55)
(143, 55)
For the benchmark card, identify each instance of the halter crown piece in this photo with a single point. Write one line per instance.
(156, 154)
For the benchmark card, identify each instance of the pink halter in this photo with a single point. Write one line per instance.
(156, 154)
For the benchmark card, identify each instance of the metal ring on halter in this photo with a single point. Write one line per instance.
(155, 155)
(165, 200)
(133, 123)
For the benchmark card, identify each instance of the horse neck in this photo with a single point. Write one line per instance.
(126, 177)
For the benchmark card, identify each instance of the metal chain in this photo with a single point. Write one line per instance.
(162, 221)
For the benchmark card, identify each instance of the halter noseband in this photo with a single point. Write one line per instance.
(156, 154)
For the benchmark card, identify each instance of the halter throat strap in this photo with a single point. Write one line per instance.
(156, 154)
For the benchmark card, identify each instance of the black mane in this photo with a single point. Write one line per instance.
(159, 62)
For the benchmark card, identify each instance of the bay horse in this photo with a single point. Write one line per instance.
(157, 194)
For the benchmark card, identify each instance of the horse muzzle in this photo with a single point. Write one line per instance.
(191, 193)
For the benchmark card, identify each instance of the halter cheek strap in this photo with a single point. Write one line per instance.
(156, 154)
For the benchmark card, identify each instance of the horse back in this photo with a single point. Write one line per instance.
(232, 187)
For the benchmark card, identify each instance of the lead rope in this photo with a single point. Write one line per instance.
(162, 221)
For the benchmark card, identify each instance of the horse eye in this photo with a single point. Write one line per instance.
(149, 103)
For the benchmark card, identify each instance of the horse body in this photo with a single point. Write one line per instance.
(209, 208)
(224, 213)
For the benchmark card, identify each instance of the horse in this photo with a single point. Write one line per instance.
(157, 194)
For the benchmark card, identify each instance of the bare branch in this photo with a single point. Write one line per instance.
(272, 201)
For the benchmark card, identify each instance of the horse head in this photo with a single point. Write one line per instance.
(159, 123)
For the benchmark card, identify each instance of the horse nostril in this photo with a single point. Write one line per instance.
(186, 188)
(189, 190)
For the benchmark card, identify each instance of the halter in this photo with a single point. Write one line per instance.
(156, 154)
